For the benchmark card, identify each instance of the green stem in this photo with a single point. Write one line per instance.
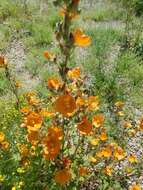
(13, 86)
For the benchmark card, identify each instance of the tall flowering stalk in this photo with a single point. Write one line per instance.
(14, 85)
(70, 132)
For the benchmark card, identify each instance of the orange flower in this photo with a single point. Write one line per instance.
(49, 55)
(62, 11)
(65, 105)
(5, 145)
(108, 171)
(25, 110)
(80, 39)
(71, 15)
(94, 142)
(85, 126)
(105, 152)
(54, 83)
(2, 137)
(135, 187)
(74, 73)
(119, 153)
(127, 125)
(92, 159)
(2, 61)
(18, 84)
(80, 101)
(66, 162)
(24, 151)
(55, 133)
(52, 143)
(52, 152)
(63, 177)
(98, 120)
(103, 136)
(141, 124)
(93, 103)
(120, 113)
(45, 113)
(132, 158)
(83, 171)
(31, 98)
(132, 132)
(33, 121)
(33, 137)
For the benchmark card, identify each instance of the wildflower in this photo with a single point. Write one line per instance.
(85, 126)
(120, 113)
(25, 163)
(129, 169)
(132, 132)
(2, 137)
(66, 162)
(54, 83)
(5, 145)
(127, 125)
(25, 110)
(92, 159)
(98, 120)
(135, 187)
(20, 170)
(18, 84)
(55, 132)
(83, 171)
(65, 105)
(47, 114)
(33, 121)
(32, 99)
(105, 152)
(132, 158)
(21, 184)
(71, 15)
(80, 39)
(80, 101)
(33, 137)
(52, 152)
(103, 136)
(2, 178)
(119, 153)
(63, 177)
(94, 142)
(52, 143)
(93, 103)
(2, 61)
(24, 151)
(108, 170)
(119, 104)
(49, 55)
(74, 73)
(13, 188)
(141, 124)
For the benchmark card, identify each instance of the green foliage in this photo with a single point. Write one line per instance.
(104, 14)
(138, 7)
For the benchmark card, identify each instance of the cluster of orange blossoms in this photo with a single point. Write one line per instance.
(70, 102)
(3, 143)
(52, 142)
(2, 61)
